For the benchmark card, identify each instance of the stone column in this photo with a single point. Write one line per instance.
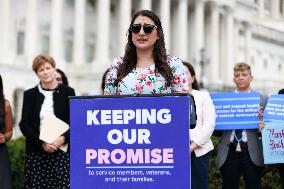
(56, 41)
(103, 25)
(79, 33)
(32, 42)
(146, 4)
(248, 41)
(214, 43)
(166, 21)
(229, 45)
(275, 9)
(125, 19)
(5, 47)
(182, 29)
(198, 29)
(260, 5)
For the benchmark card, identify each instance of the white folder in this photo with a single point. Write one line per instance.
(51, 128)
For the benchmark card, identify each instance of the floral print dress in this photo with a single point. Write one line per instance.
(146, 80)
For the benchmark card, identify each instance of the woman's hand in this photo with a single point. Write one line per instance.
(260, 113)
(59, 141)
(49, 148)
(193, 146)
(261, 124)
(2, 138)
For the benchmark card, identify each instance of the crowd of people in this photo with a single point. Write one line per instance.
(145, 68)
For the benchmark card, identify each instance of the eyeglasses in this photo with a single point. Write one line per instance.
(147, 28)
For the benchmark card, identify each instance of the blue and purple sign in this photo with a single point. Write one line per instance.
(273, 142)
(273, 131)
(274, 109)
(130, 142)
(236, 110)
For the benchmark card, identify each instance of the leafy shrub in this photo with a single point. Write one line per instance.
(270, 178)
(16, 150)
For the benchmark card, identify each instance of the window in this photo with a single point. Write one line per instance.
(265, 63)
(282, 7)
(18, 102)
(90, 52)
(70, 2)
(280, 67)
(252, 60)
(267, 5)
(45, 44)
(20, 42)
(92, 3)
(68, 50)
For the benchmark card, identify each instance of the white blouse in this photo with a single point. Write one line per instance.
(47, 105)
(205, 123)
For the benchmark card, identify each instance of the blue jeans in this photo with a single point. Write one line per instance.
(199, 171)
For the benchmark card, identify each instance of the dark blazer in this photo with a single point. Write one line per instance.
(30, 121)
(281, 91)
(254, 143)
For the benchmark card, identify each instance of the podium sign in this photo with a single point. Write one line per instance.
(130, 142)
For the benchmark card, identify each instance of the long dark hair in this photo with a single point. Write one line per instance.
(103, 82)
(159, 52)
(192, 72)
(2, 98)
(63, 77)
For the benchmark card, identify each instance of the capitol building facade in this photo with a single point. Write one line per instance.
(85, 35)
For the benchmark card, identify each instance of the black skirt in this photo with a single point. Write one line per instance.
(5, 172)
(46, 171)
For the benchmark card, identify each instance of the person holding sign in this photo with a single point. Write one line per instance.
(45, 165)
(6, 131)
(240, 151)
(145, 67)
(200, 136)
(280, 166)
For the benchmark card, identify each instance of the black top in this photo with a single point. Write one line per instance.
(281, 91)
(30, 121)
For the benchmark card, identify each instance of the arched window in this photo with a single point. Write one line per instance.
(265, 63)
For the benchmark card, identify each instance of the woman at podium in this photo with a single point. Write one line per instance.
(145, 67)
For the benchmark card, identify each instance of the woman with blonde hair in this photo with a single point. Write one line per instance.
(46, 166)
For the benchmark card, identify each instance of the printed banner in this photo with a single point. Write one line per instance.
(273, 142)
(274, 109)
(236, 110)
(130, 142)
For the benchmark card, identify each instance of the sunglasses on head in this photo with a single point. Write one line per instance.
(147, 28)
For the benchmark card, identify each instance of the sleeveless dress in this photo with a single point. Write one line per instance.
(5, 172)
